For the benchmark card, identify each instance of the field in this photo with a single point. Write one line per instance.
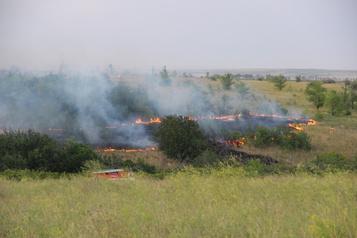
(332, 134)
(222, 203)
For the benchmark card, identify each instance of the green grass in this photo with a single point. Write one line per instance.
(332, 134)
(223, 203)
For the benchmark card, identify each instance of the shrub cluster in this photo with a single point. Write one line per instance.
(281, 136)
(331, 162)
(180, 138)
(35, 151)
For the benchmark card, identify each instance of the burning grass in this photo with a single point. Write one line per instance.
(219, 203)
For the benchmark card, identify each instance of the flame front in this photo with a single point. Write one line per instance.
(296, 126)
(236, 143)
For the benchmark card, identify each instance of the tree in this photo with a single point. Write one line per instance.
(353, 88)
(242, 88)
(165, 76)
(298, 78)
(180, 138)
(316, 93)
(227, 81)
(334, 101)
(279, 81)
(351, 93)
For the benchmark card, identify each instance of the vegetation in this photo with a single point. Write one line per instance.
(165, 77)
(332, 162)
(279, 81)
(334, 102)
(227, 81)
(242, 88)
(180, 138)
(309, 193)
(35, 151)
(316, 93)
(192, 203)
(281, 136)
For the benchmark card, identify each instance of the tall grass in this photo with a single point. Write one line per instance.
(222, 203)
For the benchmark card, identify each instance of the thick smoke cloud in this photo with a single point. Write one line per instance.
(98, 109)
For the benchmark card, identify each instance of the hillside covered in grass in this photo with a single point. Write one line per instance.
(192, 203)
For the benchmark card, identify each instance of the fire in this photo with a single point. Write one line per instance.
(300, 126)
(128, 150)
(296, 126)
(236, 143)
(153, 120)
(311, 122)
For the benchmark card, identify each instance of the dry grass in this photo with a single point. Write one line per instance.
(220, 204)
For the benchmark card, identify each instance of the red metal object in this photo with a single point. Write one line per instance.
(112, 174)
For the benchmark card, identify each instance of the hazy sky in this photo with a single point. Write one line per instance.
(41, 34)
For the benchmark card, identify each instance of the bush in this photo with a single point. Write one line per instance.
(257, 168)
(281, 136)
(206, 158)
(295, 140)
(331, 162)
(34, 151)
(227, 81)
(334, 102)
(263, 137)
(180, 138)
(316, 93)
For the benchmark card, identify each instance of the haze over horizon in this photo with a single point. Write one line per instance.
(40, 34)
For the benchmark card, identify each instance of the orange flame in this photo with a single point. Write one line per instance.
(236, 143)
(311, 122)
(296, 126)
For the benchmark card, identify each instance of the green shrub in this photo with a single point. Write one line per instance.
(180, 138)
(319, 116)
(331, 162)
(257, 168)
(281, 136)
(35, 151)
(295, 140)
(227, 81)
(263, 137)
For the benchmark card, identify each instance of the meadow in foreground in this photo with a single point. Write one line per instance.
(219, 203)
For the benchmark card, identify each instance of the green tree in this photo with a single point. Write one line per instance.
(316, 93)
(298, 78)
(227, 81)
(335, 103)
(180, 138)
(351, 90)
(279, 81)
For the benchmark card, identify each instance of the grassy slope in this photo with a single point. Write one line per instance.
(333, 134)
(190, 205)
(222, 204)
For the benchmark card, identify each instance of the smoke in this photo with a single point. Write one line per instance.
(98, 109)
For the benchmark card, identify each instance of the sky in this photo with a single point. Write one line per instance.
(181, 34)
